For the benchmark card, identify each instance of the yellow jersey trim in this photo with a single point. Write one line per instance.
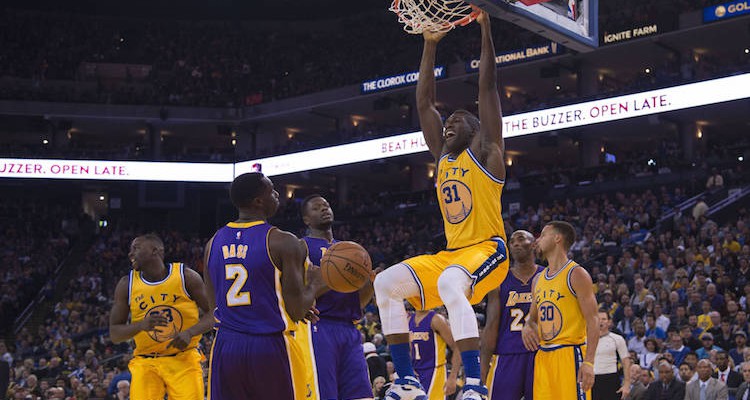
(244, 224)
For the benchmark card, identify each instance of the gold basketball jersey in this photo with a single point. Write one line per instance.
(561, 321)
(169, 298)
(469, 198)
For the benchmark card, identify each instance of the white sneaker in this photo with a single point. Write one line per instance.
(406, 388)
(472, 392)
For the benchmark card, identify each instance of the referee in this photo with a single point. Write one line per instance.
(607, 381)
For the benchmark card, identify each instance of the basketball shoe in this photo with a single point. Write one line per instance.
(406, 388)
(472, 392)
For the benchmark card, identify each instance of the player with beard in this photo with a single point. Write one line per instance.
(563, 323)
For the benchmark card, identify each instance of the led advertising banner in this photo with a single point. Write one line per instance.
(726, 10)
(405, 79)
(575, 115)
(115, 170)
(520, 55)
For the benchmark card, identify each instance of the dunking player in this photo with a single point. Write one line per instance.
(163, 303)
(510, 375)
(470, 179)
(255, 273)
(337, 348)
(429, 334)
(563, 323)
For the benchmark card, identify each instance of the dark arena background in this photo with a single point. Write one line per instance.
(119, 119)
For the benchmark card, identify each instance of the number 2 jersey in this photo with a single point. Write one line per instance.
(246, 282)
(515, 303)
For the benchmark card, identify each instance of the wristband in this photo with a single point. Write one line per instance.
(589, 364)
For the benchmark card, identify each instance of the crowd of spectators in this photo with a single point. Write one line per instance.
(34, 238)
(206, 63)
(53, 56)
(681, 277)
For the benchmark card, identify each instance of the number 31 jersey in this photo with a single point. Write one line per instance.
(515, 303)
(469, 198)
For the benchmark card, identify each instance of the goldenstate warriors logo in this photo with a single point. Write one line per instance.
(550, 320)
(174, 323)
(457, 201)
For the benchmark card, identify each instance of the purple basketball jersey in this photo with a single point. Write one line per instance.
(423, 346)
(333, 305)
(246, 282)
(515, 302)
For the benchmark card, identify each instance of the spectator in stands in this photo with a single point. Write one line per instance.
(378, 387)
(123, 391)
(649, 358)
(740, 341)
(724, 373)
(662, 320)
(715, 299)
(676, 346)
(375, 364)
(687, 373)
(637, 390)
(653, 331)
(667, 388)
(637, 342)
(625, 326)
(743, 392)
(715, 181)
(706, 387)
(708, 346)
(700, 209)
(723, 336)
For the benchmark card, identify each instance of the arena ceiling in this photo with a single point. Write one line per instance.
(215, 9)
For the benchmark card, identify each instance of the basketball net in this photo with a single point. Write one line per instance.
(433, 15)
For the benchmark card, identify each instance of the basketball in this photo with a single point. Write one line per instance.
(346, 267)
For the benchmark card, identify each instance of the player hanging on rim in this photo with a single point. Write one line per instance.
(470, 179)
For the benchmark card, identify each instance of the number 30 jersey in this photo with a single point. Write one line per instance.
(561, 321)
(247, 284)
(515, 303)
(469, 198)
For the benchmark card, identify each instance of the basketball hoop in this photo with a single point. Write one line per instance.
(433, 15)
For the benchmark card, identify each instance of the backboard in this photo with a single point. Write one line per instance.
(572, 23)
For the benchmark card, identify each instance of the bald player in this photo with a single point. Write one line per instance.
(507, 365)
